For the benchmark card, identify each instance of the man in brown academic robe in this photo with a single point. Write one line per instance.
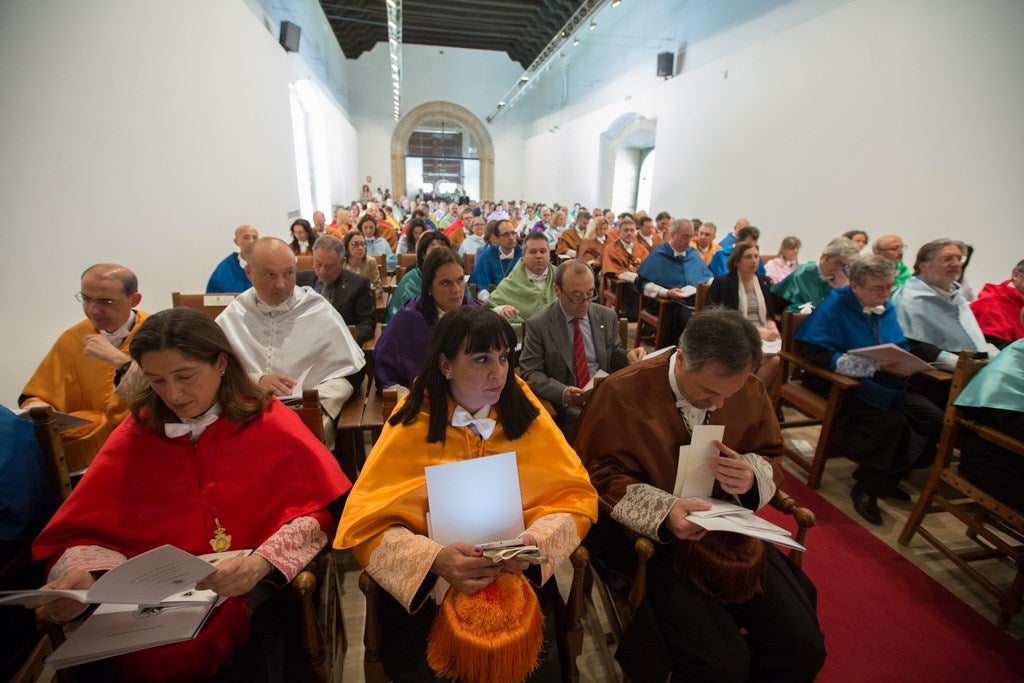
(628, 438)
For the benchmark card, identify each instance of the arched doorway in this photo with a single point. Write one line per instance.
(627, 142)
(428, 114)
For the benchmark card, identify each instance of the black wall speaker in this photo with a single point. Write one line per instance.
(290, 36)
(665, 60)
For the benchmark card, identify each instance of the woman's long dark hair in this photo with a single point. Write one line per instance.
(195, 336)
(431, 264)
(310, 236)
(467, 329)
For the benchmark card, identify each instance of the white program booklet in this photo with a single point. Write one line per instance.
(693, 474)
(162, 576)
(726, 516)
(474, 501)
(890, 353)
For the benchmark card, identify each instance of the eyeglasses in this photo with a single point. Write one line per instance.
(950, 260)
(877, 289)
(580, 297)
(506, 234)
(102, 303)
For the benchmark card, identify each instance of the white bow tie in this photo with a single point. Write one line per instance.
(191, 427)
(877, 310)
(691, 416)
(484, 426)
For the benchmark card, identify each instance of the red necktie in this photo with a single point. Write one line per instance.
(579, 355)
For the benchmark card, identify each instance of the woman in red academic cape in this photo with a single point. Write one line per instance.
(206, 462)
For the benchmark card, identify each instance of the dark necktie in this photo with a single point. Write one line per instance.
(579, 355)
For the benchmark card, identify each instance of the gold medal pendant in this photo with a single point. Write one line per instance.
(221, 540)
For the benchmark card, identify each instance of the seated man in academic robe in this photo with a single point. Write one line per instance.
(495, 261)
(350, 293)
(808, 285)
(229, 275)
(284, 334)
(691, 626)
(568, 342)
(933, 313)
(998, 309)
(621, 259)
(885, 428)
(670, 267)
(530, 286)
(569, 240)
(81, 371)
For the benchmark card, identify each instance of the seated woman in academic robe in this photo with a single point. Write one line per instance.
(466, 403)
(745, 290)
(206, 462)
(591, 250)
(402, 346)
(412, 281)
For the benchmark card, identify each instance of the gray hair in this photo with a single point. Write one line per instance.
(928, 251)
(572, 266)
(874, 267)
(674, 228)
(330, 242)
(841, 246)
(723, 336)
(1019, 268)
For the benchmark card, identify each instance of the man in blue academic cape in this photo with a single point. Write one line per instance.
(496, 261)
(229, 275)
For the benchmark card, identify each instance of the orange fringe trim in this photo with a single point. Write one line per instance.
(494, 635)
(725, 565)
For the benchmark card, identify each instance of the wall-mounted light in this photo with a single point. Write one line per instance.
(394, 13)
(592, 26)
(616, 3)
(576, 42)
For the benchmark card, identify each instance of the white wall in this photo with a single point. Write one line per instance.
(136, 131)
(474, 79)
(895, 117)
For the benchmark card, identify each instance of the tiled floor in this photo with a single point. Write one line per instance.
(834, 488)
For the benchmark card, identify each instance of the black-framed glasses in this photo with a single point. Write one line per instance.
(580, 297)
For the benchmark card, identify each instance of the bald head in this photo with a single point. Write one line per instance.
(271, 268)
(245, 236)
(740, 224)
(889, 247)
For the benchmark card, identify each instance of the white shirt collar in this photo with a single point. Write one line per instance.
(117, 336)
(287, 305)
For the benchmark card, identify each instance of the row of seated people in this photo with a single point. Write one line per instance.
(245, 473)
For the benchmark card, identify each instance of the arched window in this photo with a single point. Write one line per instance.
(442, 161)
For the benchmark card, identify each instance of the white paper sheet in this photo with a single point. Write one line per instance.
(693, 475)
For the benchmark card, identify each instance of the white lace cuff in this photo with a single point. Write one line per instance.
(556, 537)
(89, 558)
(401, 562)
(764, 477)
(292, 546)
(643, 509)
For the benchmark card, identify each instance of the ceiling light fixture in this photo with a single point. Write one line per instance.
(584, 13)
(394, 14)
(616, 3)
(592, 26)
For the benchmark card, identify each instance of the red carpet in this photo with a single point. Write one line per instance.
(886, 620)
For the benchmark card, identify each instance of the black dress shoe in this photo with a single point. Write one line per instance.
(866, 506)
(896, 493)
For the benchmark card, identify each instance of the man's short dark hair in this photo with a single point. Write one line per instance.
(533, 236)
(723, 336)
(748, 234)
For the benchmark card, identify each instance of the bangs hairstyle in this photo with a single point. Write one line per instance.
(467, 329)
(195, 336)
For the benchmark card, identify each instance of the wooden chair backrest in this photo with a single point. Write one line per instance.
(966, 368)
(211, 304)
(51, 450)
(309, 412)
(407, 260)
(382, 264)
(623, 334)
(765, 258)
(303, 262)
(790, 324)
(467, 262)
(700, 300)
(399, 272)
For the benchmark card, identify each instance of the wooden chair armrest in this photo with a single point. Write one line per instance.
(842, 381)
(804, 517)
(304, 584)
(373, 663)
(938, 375)
(644, 548)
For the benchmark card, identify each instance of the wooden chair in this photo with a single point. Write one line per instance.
(304, 262)
(407, 261)
(210, 304)
(611, 293)
(816, 408)
(700, 299)
(765, 258)
(572, 642)
(620, 607)
(979, 511)
(399, 273)
(382, 264)
(467, 262)
(657, 321)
